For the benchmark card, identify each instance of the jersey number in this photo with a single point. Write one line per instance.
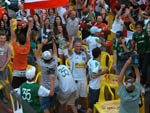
(64, 72)
(26, 95)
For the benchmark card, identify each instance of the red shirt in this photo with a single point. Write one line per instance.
(93, 6)
(104, 27)
(113, 4)
(2, 11)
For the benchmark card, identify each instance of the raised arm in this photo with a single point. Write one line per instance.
(137, 73)
(142, 15)
(71, 46)
(13, 34)
(37, 54)
(79, 2)
(91, 13)
(122, 73)
(85, 3)
(129, 15)
(54, 46)
(30, 26)
(120, 11)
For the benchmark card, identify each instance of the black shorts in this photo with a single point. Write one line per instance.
(93, 97)
(17, 81)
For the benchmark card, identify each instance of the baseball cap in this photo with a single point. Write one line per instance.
(129, 83)
(119, 34)
(46, 55)
(30, 72)
(95, 29)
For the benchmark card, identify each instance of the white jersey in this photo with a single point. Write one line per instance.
(65, 80)
(92, 43)
(117, 25)
(78, 65)
(94, 67)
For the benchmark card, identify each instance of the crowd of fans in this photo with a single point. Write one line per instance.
(77, 32)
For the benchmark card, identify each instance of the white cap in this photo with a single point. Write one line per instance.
(30, 72)
(129, 83)
(46, 55)
(95, 29)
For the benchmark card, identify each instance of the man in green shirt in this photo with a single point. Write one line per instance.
(139, 38)
(120, 46)
(139, 45)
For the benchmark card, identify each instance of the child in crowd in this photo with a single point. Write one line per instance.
(31, 91)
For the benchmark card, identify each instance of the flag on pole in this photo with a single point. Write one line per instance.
(44, 4)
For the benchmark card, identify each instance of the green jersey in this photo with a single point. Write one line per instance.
(29, 93)
(120, 50)
(140, 41)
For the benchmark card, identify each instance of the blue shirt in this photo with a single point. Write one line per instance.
(129, 101)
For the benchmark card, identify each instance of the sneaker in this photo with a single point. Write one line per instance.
(5, 101)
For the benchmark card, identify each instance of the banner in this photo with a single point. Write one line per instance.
(44, 4)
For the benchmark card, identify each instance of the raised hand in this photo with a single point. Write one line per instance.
(122, 6)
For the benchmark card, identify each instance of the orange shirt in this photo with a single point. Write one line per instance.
(20, 55)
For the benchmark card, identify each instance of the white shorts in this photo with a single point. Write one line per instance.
(81, 88)
(19, 73)
(68, 99)
(63, 51)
